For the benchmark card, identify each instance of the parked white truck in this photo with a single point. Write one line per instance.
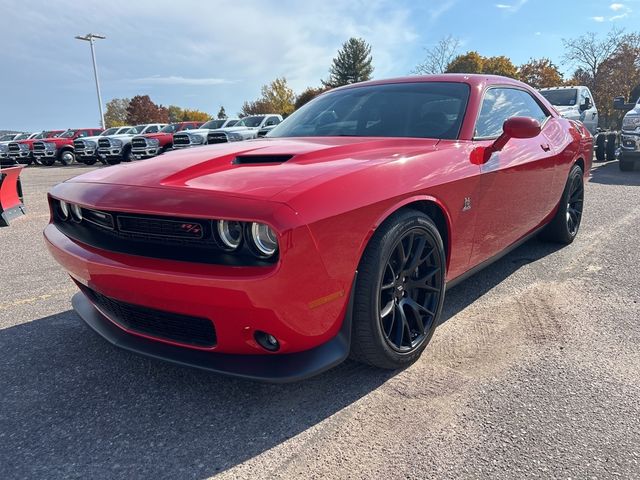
(574, 103)
(245, 129)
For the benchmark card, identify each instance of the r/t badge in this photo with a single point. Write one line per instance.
(467, 204)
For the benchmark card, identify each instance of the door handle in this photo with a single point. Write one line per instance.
(545, 147)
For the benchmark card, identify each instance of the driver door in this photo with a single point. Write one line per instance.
(516, 182)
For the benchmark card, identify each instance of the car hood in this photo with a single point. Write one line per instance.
(122, 135)
(156, 135)
(214, 168)
(200, 131)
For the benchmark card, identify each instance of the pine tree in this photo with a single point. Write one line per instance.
(352, 64)
(222, 114)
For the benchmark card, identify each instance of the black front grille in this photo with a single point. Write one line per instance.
(181, 140)
(38, 146)
(217, 138)
(139, 142)
(183, 329)
(154, 236)
(160, 227)
(14, 148)
(78, 145)
(104, 142)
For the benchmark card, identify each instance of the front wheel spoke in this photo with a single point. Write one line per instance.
(400, 326)
(423, 286)
(426, 276)
(388, 308)
(416, 254)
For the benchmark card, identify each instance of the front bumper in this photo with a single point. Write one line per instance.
(270, 368)
(148, 152)
(104, 152)
(44, 154)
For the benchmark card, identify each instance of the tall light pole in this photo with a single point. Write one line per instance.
(90, 37)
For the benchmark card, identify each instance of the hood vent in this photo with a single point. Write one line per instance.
(260, 159)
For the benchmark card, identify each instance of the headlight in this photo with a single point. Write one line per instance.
(197, 139)
(234, 137)
(230, 233)
(76, 213)
(50, 146)
(64, 210)
(3, 147)
(116, 142)
(264, 239)
(23, 146)
(89, 144)
(630, 121)
(154, 142)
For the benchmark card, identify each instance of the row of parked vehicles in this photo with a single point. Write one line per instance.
(123, 144)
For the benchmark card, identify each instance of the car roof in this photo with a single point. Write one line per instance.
(473, 79)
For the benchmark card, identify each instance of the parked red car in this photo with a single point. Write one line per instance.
(22, 151)
(337, 234)
(60, 148)
(152, 144)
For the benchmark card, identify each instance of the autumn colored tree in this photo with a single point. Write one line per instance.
(439, 56)
(500, 65)
(276, 97)
(189, 115)
(142, 110)
(307, 95)
(470, 62)
(540, 73)
(175, 113)
(353, 63)
(115, 114)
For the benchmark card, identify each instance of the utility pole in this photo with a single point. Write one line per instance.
(90, 37)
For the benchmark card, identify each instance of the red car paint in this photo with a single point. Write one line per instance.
(325, 204)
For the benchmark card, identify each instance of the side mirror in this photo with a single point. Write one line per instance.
(586, 105)
(514, 127)
(620, 104)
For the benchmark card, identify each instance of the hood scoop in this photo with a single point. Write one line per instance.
(260, 159)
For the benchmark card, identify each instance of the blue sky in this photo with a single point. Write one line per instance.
(203, 54)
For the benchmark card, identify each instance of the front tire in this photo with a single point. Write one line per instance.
(90, 160)
(399, 291)
(564, 226)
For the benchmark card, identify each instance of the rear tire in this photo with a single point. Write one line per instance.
(612, 141)
(399, 291)
(601, 140)
(564, 226)
(66, 157)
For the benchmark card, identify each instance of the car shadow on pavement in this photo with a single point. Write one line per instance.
(610, 174)
(71, 405)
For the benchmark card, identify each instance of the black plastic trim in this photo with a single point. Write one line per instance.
(273, 368)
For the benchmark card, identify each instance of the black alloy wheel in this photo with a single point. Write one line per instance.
(399, 291)
(410, 290)
(574, 205)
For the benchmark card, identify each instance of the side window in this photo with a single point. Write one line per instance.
(500, 104)
(152, 129)
(272, 121)
(82, 134)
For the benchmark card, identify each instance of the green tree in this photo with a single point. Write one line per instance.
(352, 64)
(194, 116)
(222, 114)
(540, 73)
(115, 114)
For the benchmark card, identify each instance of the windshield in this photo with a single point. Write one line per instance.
(9, 137)
(109, 131)
(419, 110)
(213, 124)
(124, 130)
(561, 98)
(250, 122)
(137, 129)
(22, 136)
(68, 134)
(170, 128)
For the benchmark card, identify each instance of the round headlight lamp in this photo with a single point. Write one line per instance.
(64, 210)
(76, 213)
(230, 233)
(264, 239)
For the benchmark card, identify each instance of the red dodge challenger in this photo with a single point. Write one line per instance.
(335, 235)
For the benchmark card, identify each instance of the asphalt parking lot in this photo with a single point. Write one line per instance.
(535, 372)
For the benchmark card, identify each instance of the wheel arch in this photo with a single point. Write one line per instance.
(430, 206)
(580, 163)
